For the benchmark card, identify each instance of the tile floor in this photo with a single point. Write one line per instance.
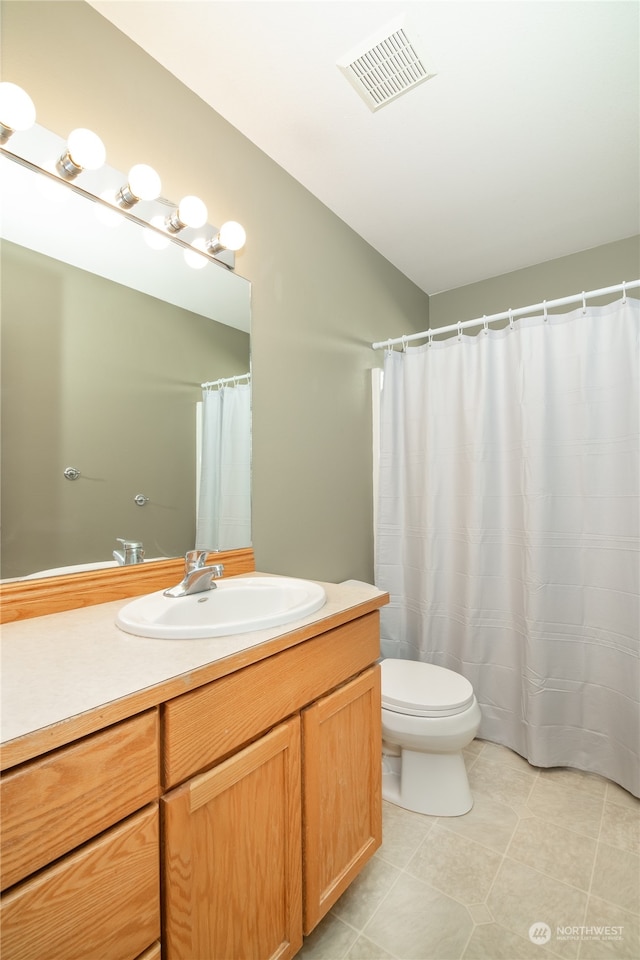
(556, 847)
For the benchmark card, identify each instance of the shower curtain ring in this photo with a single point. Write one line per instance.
(510, 318)
(430, 344)
(485, 324)
(624, 291)
(404, 343)
(544, 306)
(584, 302)
(459, 331)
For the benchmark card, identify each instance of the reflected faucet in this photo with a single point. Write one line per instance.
(197, 577)
(132, 552)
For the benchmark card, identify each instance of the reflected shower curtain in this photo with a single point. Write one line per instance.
(507, 529)
(224, 502)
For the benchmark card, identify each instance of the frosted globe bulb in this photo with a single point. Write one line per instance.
(192, 212)
(17, 111)
(232, 236)
(144, 182)
(86, 149)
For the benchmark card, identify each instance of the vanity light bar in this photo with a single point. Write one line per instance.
(85, 151)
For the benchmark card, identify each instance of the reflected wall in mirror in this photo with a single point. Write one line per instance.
(102, 372)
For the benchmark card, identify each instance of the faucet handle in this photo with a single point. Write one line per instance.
(133, 544)
(194, 559)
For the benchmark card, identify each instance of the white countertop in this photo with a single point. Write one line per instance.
(65, 664)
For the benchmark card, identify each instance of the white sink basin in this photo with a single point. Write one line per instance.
(235, 606)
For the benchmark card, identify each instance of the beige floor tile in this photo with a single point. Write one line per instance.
(456, 866)
(489, 822)
(415, 922)
(521, 897)
(331, 940)
(555, 851)
(492, 942)
(575, 780)
(402, 833)
(480, 913)
(617, 794)
(507, 783)
(621, 826)
(616, 877)
(474, 749)
(359, 901)
(600, 941)
(496, 753)
(364, 949)
(564, 806)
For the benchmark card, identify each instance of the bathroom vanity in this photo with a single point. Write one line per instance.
(200, 799)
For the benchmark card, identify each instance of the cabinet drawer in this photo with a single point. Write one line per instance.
(56, 803)
(101, 901)
(207, 724)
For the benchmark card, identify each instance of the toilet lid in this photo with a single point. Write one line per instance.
(423, 689)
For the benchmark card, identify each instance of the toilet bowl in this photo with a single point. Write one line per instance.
(429, 714)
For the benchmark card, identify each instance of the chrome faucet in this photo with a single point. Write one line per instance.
(132, 552)
(197, 577)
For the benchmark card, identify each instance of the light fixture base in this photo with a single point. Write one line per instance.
(125, 198)
(67, 168)
(5, 133)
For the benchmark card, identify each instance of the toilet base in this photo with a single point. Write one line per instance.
(431, 783)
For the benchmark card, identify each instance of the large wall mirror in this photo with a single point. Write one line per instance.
(105, 344)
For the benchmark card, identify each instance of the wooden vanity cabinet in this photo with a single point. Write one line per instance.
(80, 838)
(245, 806)
(258, 847)
(233, 857)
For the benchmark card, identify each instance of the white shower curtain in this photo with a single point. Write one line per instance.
(224, 502)
(507, 529)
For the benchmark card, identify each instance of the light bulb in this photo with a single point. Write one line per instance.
(191, 212)
(232, 236)
(197, 260)
(143, 184)
(85, 151)
(17, 111)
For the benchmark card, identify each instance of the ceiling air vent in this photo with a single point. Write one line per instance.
(384, 67)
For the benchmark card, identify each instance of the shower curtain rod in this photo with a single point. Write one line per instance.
(223, 380)
(511, 314)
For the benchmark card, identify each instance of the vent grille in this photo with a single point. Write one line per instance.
(384, 69)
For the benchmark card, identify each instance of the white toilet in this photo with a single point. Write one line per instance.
(429, 714)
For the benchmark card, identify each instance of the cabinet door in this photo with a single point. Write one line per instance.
(233, 858)
(342, 813)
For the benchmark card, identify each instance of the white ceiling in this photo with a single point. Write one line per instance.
(523, 148)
